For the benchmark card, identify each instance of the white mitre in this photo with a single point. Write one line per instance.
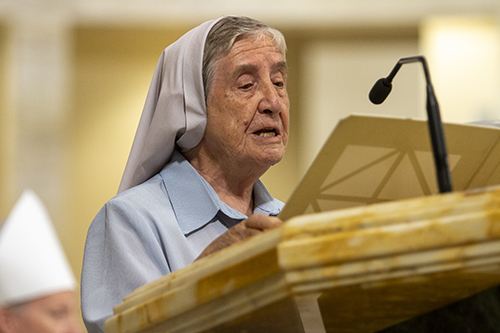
(32, 261)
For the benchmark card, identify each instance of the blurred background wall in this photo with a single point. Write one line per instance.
(74, 76)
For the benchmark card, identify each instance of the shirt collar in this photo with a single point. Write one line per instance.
(195, 203)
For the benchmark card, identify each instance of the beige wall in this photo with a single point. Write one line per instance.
(464, 60)
(4, 125)
(7, 131)
(341, 72)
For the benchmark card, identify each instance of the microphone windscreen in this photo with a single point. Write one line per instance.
(380, 91)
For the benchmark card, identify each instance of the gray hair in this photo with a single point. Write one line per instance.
(224, 34)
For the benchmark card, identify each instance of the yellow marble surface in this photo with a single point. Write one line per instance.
(370, 267)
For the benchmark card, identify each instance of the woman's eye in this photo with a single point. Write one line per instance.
(279, 84)
(246, 86)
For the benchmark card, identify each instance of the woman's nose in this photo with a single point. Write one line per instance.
(272, 99)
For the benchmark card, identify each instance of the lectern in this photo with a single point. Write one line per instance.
(357, 269)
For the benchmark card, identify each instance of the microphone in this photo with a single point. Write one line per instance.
(381, 90)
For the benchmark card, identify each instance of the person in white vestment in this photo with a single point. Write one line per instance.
(37, 286)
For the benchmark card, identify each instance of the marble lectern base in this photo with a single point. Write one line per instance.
(363, 269)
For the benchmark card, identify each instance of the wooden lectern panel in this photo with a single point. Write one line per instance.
(364, 269)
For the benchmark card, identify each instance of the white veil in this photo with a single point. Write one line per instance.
(174, 112)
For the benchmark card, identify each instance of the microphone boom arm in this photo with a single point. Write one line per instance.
(381, 90)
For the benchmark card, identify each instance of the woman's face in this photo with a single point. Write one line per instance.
(247, 106)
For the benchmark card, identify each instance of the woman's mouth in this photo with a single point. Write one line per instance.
(266, 132)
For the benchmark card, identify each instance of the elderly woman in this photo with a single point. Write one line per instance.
(215, 119)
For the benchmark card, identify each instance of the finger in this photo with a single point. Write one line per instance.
(262, 222)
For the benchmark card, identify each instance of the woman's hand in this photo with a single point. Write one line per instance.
(254, 225)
